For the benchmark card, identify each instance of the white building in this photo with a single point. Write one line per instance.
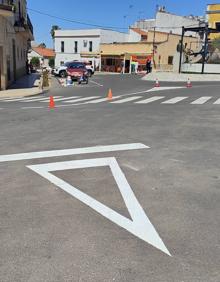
(83, 45)
(16, 32)
(43, 54)
(168, 22)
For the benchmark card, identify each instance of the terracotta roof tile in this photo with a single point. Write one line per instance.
(44, 52)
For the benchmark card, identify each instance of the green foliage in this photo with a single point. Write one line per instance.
(53, 28)
(51, 62)
(35, 61)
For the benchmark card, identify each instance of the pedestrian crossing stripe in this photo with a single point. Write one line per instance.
(121, 99)
(150, 100)
(174, 100)
(201, 101)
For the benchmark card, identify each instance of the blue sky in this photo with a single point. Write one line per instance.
(118, 13)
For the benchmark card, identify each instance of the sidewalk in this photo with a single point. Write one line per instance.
(25, 86)
(175, 77)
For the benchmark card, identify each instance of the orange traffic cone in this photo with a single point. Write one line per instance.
(52, 103)
(110, 94)
(189, 84)
(157, 84)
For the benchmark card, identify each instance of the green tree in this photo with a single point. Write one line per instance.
(51, 62)
(35, 61)
(42, 45)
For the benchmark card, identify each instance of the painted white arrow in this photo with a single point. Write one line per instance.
(140, 224)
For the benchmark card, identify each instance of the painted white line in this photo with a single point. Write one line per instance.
(140, 225)
(9, 98)
(82, 99)
(217, 102)
(174, 100)
(65, 99)
(35, 100)
(28, 108)
(97, 101)
(201, 101)
(71, 152)
(14, 99)
(129, 99)
(150, 100)
(165, 88)
(95, 83)
(57, 99)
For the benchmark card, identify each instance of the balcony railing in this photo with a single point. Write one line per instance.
(6, 7)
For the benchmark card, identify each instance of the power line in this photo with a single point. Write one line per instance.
(75, 21)
(99, 26)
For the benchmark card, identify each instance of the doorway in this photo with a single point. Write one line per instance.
(127, 66)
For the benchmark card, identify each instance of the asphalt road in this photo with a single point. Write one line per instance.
(145, 211)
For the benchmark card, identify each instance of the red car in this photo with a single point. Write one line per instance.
(78, 72)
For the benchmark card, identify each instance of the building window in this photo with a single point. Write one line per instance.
(170, 60)
(62, 46)
(217, 26)
(90, 46)
(85, 42)
(76, 47)
(62, 63)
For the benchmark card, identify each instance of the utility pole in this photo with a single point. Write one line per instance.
(154, 46)
(181, 49)
(205, 48)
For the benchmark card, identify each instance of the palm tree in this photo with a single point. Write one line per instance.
(52, 32)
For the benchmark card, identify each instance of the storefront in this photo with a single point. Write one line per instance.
(112, 63)
(122, 62)
(118, 57)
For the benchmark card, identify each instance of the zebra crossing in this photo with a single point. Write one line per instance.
(123, 99)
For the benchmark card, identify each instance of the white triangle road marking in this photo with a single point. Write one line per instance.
(140, 225)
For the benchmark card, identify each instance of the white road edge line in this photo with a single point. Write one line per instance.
(71, 152)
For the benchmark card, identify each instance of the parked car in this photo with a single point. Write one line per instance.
(78, 72)
(61, 71)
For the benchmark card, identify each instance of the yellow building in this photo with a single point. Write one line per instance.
(160, 47)
(213, 15)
